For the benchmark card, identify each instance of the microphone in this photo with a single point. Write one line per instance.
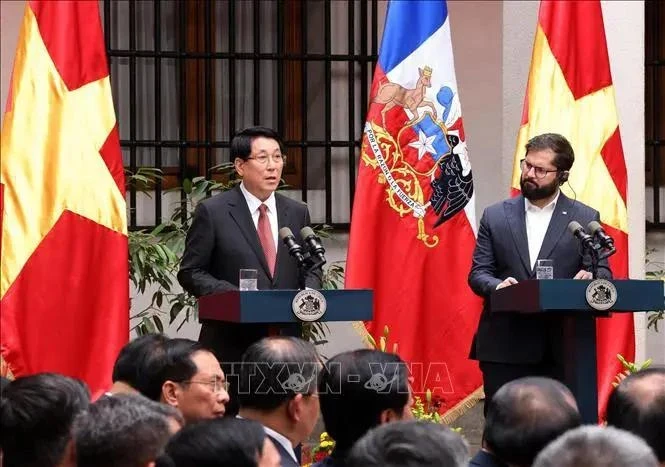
(289, 240)
(313, 243)
(596, 230)
(578, 231)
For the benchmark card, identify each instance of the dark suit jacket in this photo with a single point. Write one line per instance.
(286, 459)
(502, 251)
(221, 241)
(485, 459)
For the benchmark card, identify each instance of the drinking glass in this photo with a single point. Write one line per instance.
(248, 279)
(545, 269)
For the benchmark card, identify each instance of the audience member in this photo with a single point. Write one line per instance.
(522, 418)
(410, 444)
(638, 405)
(278, 388)
(36, 416)
(594, 446)
(220, 443)
(358, 391)
(129, 371)
(185, 375)
(125, 430)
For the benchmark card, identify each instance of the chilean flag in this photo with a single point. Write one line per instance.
(413, 222)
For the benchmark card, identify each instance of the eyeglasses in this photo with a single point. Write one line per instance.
(263, 158)
(539, 172)
(215, 384)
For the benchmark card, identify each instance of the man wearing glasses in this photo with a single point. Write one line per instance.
(238, 229)
(512, 236)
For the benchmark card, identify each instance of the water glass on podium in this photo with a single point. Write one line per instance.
(248, 279)
(544, 269)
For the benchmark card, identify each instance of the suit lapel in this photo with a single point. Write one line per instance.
(241, 215)
(514, 209)
(282, 221)
(561, 216)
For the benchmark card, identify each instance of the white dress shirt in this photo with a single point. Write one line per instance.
(283, 440)
(537, 221)
(253, 203)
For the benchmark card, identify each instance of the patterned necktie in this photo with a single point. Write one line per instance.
(266, 239)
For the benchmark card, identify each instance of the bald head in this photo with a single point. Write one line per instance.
(638, 405)
(525, 415)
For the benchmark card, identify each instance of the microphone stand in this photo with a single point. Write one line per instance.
(309, 264)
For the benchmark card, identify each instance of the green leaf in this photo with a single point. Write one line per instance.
(158, 323)
(187, 186)
(175, 310)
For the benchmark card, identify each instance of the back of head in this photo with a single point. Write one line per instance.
(409, 444)
(274, 370)
(124, 430)
(163, 359)
(638, 405)
(36, 415)
(356, 388)
(593, 446)
(215, 443)
(137, 356)
(525, 415)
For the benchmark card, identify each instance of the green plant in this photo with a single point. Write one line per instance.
(654, 270)
(629, 368)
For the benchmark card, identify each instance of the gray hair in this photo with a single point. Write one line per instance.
(410, 444)
(593, 446)
(124, 430)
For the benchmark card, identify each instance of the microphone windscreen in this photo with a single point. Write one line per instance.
(593, 227)
(285, 232)
(307, 232)
(574, 227)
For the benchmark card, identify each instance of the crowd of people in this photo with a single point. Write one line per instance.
(167, 408)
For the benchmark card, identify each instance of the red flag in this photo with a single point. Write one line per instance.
(412, 231)
(64, 285)
(570, 92)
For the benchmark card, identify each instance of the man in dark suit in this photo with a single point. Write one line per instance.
(238, 229)
(512, 235)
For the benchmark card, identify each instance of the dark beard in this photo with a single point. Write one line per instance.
(533, 193)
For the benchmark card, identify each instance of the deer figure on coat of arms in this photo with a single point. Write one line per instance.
(392, 94)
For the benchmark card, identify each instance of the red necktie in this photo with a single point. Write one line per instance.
(266, 239)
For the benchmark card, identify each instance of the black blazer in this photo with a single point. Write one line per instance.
(286, 459)
(222, 240)
(502, 251)
(485, 459)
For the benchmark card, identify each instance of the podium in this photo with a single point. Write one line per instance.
(275, 306)
(567, 298)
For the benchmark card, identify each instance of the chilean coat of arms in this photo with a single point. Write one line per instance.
(423, 162)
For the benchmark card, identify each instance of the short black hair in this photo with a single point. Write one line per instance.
(275, 369)
(135, 355)
(168, 359)
(123, 430)
(527, 414)
(36, 416)
(350, 403)
(641, 412)
(218, 442)
(410, 444)
(564, 156)
(241, 144)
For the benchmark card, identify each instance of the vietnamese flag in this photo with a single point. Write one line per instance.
(413, 225)
(570, 92)
(64, 282)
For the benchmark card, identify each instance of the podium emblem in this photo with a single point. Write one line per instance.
(309, 305)
(601, 294)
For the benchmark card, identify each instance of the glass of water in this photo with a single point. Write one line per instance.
(545, 269)
(248, 279)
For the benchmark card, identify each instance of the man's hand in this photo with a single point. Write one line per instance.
(584, 275)
(506, 282)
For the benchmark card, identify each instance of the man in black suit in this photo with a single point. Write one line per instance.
(278, 388)
(512, 235)
(238, 229)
